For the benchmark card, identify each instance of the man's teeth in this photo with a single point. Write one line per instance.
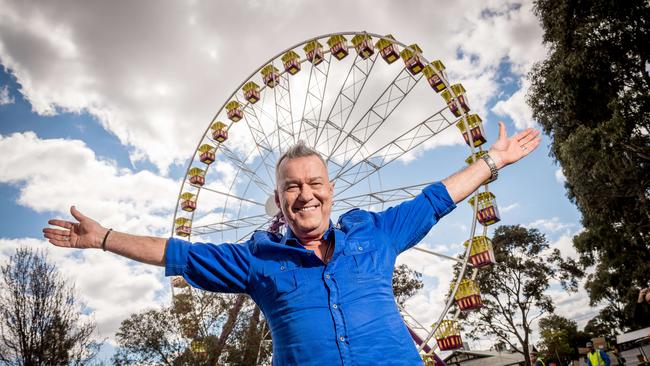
(307, 208)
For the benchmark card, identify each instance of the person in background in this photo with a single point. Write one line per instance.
(641, 314)
(535, 360)
(596, 357)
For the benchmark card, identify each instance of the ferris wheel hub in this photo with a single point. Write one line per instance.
(270, 206)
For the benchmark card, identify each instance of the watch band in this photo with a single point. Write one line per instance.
(493, 167)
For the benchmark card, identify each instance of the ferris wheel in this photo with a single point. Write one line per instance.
(362, 100)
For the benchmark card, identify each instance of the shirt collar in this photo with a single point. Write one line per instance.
(290, 238)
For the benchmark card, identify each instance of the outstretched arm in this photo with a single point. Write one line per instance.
(503, 152)
(88, 233)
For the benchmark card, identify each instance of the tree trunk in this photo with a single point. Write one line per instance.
(233, 313)
(253, 339)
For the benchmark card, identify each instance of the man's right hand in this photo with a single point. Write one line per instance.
(86, 233)
(642, 294)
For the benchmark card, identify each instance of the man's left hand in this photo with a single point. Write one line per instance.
(506, 151)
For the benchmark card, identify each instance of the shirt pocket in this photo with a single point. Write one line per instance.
(364, 259)
(280, 281)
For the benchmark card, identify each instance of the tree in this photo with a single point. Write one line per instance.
(40, 317)
(513, 290)
(560, 338)
(591, 96)
(406, 282)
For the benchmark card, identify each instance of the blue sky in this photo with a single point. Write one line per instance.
(103, 105)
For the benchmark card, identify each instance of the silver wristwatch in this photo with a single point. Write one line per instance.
(493, 167)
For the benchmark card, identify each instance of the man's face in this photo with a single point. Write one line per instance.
(304, 194)
(533, 357)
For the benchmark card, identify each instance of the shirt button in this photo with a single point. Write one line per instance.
(335, 306)
(282, 268)
(342, 338)
(327, 276)
(360, 248)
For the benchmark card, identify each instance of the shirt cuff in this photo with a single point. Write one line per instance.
(176, 256)
(439, 198)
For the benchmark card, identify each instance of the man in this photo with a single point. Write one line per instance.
(596, 357)
(641, 315)
(325, 290)
(534, 360)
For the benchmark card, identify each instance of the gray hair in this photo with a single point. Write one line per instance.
(299, 150)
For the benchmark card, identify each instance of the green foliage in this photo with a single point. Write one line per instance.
(591, 96)
(560, 339)
(40, 315)
(513, 290)
(406, 282)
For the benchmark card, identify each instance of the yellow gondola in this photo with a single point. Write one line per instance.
(436, 75)
(338, 46)
(207, 154)
(219, 131)
(448, 335)
(387, 49)
(183, 226)
(188, 201)
(468, 296)
(475, 127)
(314, 52)
(270, 76)
(470, 161)
(487, 213)
(412, 57)
(291, 62)
(197, 176)
(251, 92)
(459, 90)
(481, 254)
(363, 44)
(234, 111)
(198, 347)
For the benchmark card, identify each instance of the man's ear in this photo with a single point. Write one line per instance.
(277, 198)
(332, 184)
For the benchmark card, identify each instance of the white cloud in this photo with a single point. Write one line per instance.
(553, 224)
(509, 208)
(53, 174)
(110, 286)
(559, 176)
(5, 98)
(516, 108)
(155, 79)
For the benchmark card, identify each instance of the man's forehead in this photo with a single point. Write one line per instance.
(311, 164)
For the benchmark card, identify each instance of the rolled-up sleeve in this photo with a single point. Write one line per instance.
(217, 268)
(407, 223)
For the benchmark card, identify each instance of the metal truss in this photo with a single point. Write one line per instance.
(316, 86)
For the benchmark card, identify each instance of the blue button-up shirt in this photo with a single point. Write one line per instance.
(339, 313)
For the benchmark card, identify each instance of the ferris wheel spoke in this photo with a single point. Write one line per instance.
(258, 227)
(459, 260)
(379, 197)
(260, 138)
(247, 170)
(314, 97)
(339, 115)
(348, 146)
(229, 195)
(235, 224)
(283, 114)
(393, 150)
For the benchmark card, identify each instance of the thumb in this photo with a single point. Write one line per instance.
(77, 214)
(502, 131)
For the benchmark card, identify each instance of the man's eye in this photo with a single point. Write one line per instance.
(316, 184)
(292, 188)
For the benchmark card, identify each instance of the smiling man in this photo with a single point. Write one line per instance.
(325, 289)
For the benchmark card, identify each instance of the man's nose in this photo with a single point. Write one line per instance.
(306, 194)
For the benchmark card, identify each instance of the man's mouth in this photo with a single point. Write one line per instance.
(305, 209)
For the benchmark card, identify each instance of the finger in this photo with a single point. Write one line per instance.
(56, 231)
(531, 146)
(76, 213)
(60, 243)
(503, 135)
(61, 223)
(57, 237)
(523, 134)
(528, 138)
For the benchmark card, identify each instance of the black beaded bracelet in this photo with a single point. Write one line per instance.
(104, 241)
